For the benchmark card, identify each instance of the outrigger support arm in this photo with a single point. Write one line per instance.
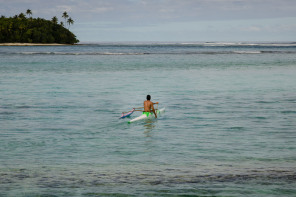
(126, 114)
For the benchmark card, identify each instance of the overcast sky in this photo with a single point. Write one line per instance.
(168, 20)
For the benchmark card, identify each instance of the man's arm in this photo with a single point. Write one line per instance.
(153, 110)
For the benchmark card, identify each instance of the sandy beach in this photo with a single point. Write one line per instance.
(31, 44)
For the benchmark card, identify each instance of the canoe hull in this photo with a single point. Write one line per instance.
(151, 116)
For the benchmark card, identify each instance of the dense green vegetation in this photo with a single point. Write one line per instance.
(35, 30)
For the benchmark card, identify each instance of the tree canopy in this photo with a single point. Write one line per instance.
(34, 30)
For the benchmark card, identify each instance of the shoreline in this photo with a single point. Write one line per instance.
(33, 44)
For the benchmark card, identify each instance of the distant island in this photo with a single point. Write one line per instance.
(22, 29)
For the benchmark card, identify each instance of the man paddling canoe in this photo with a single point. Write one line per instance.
(148, 107)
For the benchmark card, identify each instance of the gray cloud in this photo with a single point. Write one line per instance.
(173, 17)
(155, 10)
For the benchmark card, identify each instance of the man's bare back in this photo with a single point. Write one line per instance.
(148, 106)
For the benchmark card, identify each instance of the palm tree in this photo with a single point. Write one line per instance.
(70, 22)
(54, 20)
(21, 16)
(29, 12)
(65, 15)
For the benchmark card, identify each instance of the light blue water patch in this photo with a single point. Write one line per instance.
(228, 130)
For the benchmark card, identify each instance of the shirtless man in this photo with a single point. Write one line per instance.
(148, 106)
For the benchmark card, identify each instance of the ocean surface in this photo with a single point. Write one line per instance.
(229, 127)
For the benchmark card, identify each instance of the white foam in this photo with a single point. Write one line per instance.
(247, 52)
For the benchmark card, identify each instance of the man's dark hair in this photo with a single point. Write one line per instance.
(148, 97)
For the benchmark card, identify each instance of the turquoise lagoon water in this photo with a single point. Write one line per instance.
(229, 127)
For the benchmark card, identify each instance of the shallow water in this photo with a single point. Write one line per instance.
(228, 130)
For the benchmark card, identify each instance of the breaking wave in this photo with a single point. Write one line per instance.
(148, 53)
(92, 178)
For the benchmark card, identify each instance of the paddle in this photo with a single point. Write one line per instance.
(156, 104)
